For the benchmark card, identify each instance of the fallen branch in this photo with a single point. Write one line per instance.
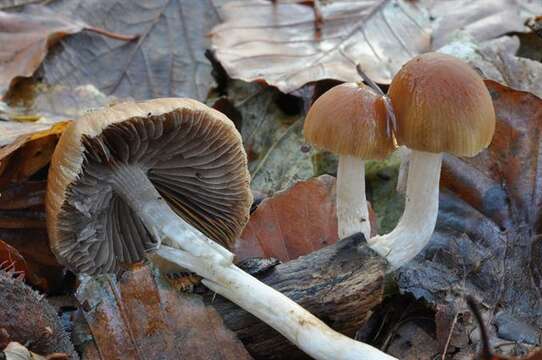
(339, 284)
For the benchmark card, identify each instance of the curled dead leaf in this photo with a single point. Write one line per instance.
(294, 222)
(27, 36)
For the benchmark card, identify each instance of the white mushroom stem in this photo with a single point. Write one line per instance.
(206, 258)
(133, 185)
(352, 210)
(275, 309)
(418, 221)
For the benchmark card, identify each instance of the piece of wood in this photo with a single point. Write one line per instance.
(340, 284)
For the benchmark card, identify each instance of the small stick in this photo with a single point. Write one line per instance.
(391, 124)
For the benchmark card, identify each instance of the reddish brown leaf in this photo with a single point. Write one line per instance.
(139, 317)
(11, 259)
(293, 223)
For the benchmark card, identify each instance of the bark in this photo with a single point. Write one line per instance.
(339, 284)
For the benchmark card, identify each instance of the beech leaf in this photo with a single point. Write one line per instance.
(137, 316)
(288, 44)
(167, 60)
(278, 42)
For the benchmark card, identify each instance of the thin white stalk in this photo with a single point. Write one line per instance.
(275, 309)
(352, 210)
(419, 218)
(195, 252)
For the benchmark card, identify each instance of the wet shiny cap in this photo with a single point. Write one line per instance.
(191, 153)
(442, 105)
(350, 119)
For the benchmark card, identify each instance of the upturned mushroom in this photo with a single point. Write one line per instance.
(127, 178)
(350, 120)
(441, 105)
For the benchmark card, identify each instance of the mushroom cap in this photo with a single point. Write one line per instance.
(191, 153)
(349, 119)
(442, 105)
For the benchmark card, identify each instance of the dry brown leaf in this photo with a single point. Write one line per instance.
(496, 60)
(483, 20)
(285, 45)
(168, 60)
(277, 42)
(26, 37)
(293, 223)
(28, 154)
(139, 317)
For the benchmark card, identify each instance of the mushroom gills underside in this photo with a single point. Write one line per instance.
(192, 164)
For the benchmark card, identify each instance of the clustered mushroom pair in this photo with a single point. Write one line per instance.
(441, 106)
(167, 179)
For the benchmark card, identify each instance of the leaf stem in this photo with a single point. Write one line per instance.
(112, 35)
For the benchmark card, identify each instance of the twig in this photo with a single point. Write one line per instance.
(454, 321)
(391, 124)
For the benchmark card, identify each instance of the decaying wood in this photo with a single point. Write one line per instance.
(340, 284)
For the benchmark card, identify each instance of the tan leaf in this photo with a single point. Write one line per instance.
(288, 45)
(277, 42)
(293, 223)
(28, 153)
(496, 60)
(138, 317)
(483, 20)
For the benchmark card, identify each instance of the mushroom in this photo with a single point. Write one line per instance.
(134, 177)
(441, 105)
(175, 164)
(350, 120)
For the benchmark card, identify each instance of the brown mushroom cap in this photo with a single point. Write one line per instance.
(191, 153)
(442, 105)
(349, 119)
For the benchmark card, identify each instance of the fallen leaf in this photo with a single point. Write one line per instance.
(483, 20)
(11, 4)
(139, 317)
(167, 60)
(50, 104)
(26, 37)
(487, 239)
(294, 222)
(496, 60)
(283, 44)
(28, 154)
(277, 42)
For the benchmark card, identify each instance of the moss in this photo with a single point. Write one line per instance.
(381, 181)
(29, 319)
(324, 162)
